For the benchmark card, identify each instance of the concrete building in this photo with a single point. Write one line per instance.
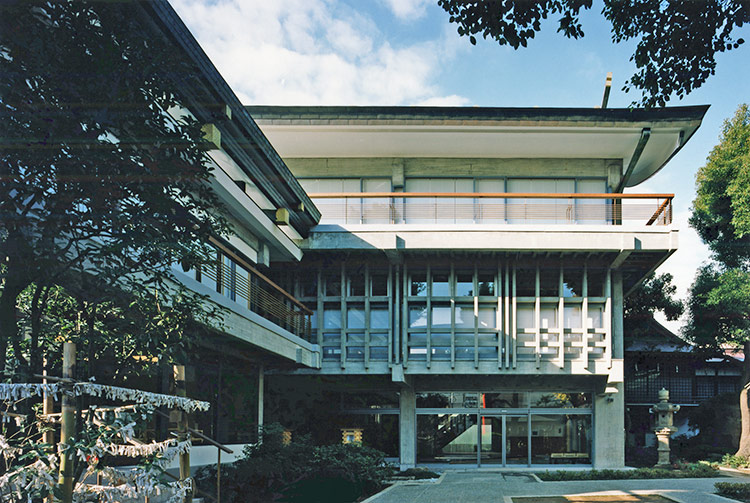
(444, 284)
(468, 272)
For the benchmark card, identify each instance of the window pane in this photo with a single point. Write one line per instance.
(573, 317)
(441, 285)
(549, 282)
(357, 284)
(554, 400)
(418, 285)
(333, 285)
(486, 283)
(596, 279)
(379, 286)
(441, 317)
(560, 439)
(435, 400)
(487, 317)
(331, 318)
(355, 317)
(525, 282)
(548, 316)
(464, 316)
(447, 438)
(379, 317)
(464, 284)
(596, 317)
(417, 316)
(506, 400)
(525, 317)
(572, 282)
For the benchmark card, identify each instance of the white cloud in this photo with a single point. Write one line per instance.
(407, 9)
(314, 52)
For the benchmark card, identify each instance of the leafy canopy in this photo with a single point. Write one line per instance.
(103, 174)
(677, 40)
(655, 293)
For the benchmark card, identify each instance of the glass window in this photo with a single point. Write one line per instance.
(331, 318)
(487, 317)
(418, 285)
(525, 316)
(379, 285)
(556, 400)
(355, 353)
(417, 316)
(525, 282)
(379, 317)
(309, 285)
(596, 317)
(548, 316)
(441, 285)
(447, 438)
(572, 282)
(441, 317)
(549, 282)
(464, 316)
(357, 284)
(464, 284)
(504, 400)
(572, 316)
(355, 317)
(486, 283)
(333, 285)
(440, 353)
(438, 400)
(378, 353)
(596, 278)
(560, 439)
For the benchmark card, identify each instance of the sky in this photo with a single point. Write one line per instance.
(406, 52)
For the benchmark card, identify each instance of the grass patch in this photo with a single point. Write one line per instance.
(692, 470)
(735, 490)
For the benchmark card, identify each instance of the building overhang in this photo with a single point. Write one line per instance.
(481, 132)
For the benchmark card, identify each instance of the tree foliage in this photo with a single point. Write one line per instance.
(655, 293)
(721, 210)
(677, 40)
(103, 177)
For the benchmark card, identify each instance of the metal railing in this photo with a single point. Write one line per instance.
(493, 208)
(243, 284)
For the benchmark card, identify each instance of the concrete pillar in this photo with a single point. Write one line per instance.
(408, 427)
(609, 428)
(609, 408)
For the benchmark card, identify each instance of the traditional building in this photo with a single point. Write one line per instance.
(448, 287)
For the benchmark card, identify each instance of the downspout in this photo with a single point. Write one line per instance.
(645, 135)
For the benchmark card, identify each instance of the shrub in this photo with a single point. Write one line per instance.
(419, 473)
(734, 490)
(691, 470)
(640, 456)
(735, 461)
(299, 471)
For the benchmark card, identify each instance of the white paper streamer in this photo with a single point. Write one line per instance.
(17, 391)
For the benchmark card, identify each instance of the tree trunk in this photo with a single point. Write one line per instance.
(744, 448)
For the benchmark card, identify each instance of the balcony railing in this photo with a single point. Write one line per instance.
(493, 208)
(241, 282)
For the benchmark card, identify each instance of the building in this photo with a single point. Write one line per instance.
(659, 359)
(468, 272)
(445, 284)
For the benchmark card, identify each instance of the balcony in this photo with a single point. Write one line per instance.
(236, 279)
(379, 208)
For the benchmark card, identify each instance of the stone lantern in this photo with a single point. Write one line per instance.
(664, 427)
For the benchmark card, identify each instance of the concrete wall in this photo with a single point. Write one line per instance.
(398, 168)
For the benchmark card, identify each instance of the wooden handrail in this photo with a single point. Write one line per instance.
(504, 195)
(252, 269)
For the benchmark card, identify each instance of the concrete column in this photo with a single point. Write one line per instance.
(609, 428)
(408, 427)
(609, 408)
(261, 383)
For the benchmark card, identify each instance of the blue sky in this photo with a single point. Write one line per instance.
(405, 52)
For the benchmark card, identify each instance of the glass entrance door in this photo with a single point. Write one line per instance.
(504, 440)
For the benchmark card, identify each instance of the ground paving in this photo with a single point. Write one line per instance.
(500, 487)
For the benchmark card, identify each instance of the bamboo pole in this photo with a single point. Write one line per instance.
(68, 420)
(182, 426)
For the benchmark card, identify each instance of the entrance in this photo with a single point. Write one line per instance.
(504, 440)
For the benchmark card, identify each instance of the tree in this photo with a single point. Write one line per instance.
(719, 303)
(103, 176)
(677, 41)
(655, 293)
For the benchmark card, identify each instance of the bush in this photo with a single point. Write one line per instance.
(640, 456)
(735, 461)
(418, 473)
(680, 471)
(299, 471)
(734, 490)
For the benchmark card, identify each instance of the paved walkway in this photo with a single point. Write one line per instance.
(499, 487)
